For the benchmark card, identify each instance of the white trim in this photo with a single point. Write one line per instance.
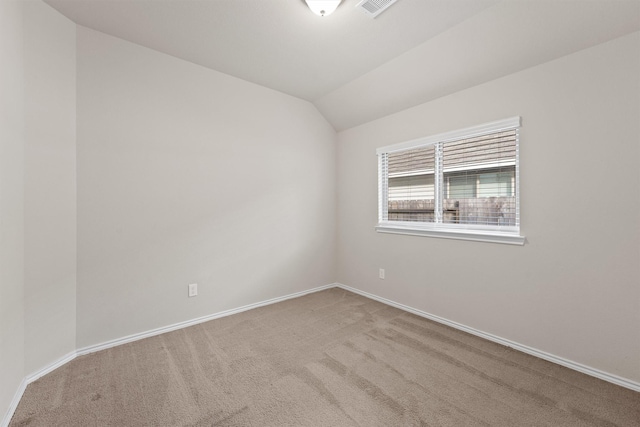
(597, 373)
(448, 233)
(14, 403)
(55, 365)
(623, 382)
(479, 233)
(135, 337)
(470, 132)
(31, 378)
(383, 188)
(187, 323)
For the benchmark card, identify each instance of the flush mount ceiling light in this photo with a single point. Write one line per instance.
(323, 7)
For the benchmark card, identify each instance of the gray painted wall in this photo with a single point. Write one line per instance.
(11, 202)
(38, 201)
(50, 185)
(572, 290)
(187, 175)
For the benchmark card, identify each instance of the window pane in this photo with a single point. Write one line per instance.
(411, 185)
(483, 196)
(498, 184)
(460, 186)
(418, 187)
(479, 180)
(467, 177)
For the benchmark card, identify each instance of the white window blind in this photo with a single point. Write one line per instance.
(461, 184)
(411, 185)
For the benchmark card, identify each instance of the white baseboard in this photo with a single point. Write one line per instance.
(93, 348)
(55, 365)
(14, 403)
(612, 378)
(615, 379)
(31, 378)
(185, 324)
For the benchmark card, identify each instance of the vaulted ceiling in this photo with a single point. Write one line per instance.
(354, 68)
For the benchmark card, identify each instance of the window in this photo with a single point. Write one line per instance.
(461, 184)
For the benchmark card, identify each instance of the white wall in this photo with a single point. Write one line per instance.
(50, 186)
(187, 175)
(11, 202)
(572, 290)
(37, 191)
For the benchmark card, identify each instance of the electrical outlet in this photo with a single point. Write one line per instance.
(382, 273)
(193, 289)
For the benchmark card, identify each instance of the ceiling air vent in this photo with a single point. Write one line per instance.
(373, 8)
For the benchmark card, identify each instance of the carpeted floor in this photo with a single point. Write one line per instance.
(331, 358)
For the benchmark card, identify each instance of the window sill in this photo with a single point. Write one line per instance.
(508, 238)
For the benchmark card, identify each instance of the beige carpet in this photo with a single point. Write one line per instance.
(331, 358)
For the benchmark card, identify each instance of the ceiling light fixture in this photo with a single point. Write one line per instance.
(323, 7)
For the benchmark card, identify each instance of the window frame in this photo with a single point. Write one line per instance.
(474, 232)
